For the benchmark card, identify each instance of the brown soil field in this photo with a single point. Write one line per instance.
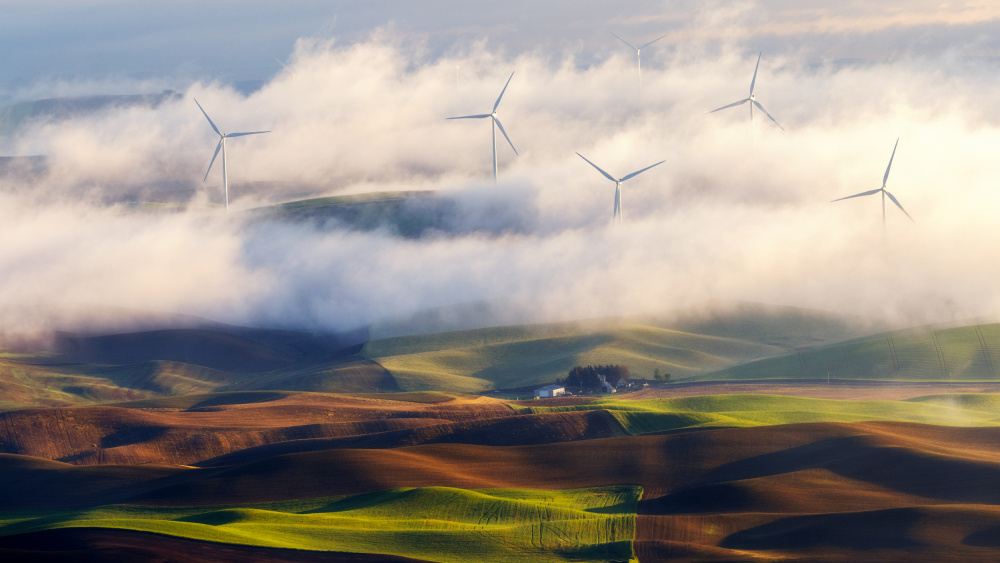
(101, 545)
(863, 391)
(185, 430)
(872, 491)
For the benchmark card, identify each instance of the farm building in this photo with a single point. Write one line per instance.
(550, 391)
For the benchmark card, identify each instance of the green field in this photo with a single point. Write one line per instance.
(514, 356)
(657, 415)
(967, 353)
(431, 523)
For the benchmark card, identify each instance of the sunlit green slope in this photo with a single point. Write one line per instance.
(433, 523)
(968, 353)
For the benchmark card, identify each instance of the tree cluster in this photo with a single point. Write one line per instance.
(588, 378)
(657, 375)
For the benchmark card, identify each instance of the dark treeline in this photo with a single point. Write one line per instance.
(588, 378)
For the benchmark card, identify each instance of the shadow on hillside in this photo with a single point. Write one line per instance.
(861, 458)
(883, 529)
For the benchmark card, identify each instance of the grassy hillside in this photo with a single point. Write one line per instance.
(729, 343)
(657, 415)
(513, 356)
(968, 353)
(406, 213)
(432, 523)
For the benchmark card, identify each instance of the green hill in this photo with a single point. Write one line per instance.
(87, 369)
(656, 415)
(514, 356)
(432, 523)
(967, 353)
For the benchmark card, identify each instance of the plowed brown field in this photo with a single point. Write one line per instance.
(819, 491)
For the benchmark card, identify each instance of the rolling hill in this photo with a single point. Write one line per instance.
(210, 357)
(438, 476)
(965, 353)
(515, 356)
(434, 523)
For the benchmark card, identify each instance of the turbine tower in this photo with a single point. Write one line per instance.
(884, 191)
(638, 54)
(617, 218)
(496, 123)
(222, 146)
(752, 99)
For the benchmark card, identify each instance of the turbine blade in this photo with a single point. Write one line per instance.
(870, 192)
(634, 174)
(208, 118)
(739, 103)
(277, 60)
(217, 149)
(500, 125)
(245, 134)
(606, 175)
(899, 206)
(754, 80)
(623, 41)
(500, 97)
(653, 41)
(761, 108)
(477, 116)
(886, 177)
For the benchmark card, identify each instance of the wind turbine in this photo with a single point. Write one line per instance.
(222, 146)
(752, 99)
(884, 191)
(496, 123)
(617, 218)
(638, 54)
(284, 66)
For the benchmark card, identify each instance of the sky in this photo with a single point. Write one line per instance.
(355, 95)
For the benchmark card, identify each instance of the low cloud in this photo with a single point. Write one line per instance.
(732, 214)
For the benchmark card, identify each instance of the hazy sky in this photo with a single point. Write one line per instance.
(174, 43)
(734, 213)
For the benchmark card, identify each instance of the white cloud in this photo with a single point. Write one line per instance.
(724, 218)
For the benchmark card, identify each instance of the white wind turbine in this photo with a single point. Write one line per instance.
(496, 123)
(638, 54)
(884, 191)
(617, 218)
(222, 146)
(752, 99)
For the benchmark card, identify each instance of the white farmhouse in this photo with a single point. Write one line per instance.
(550, 391)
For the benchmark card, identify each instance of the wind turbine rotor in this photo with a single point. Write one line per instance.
(495, 123)
(625, 42)
(634, 174)
(210, 122)
(641, 47)
(885, 193)
(500, 125)
(218, 147)
(500, 97)
(887, 168)
(606, 175)
(753, 80)
(245, 134)
(761, 108)
(894, 200)
(734, 104)
(752, 99)
(862, 194)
